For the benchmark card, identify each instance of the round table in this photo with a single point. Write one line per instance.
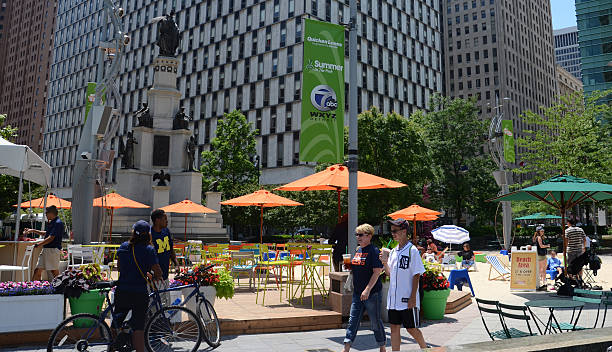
(553, 304)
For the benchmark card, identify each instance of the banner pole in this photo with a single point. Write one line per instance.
(352, 148)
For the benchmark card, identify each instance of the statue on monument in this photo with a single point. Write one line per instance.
(126, 151)
(168, 35)
(181, 120)
(144, 116)
(162, 177)
(191, 150)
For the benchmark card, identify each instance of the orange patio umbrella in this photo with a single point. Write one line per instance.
(114, 201)
(336, 178)
(51, 200)
(262, 199)
(186, 207)
(415, 213)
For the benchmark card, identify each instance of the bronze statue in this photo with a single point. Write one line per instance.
(144, 116)
(162, 177)
(126, 151)
(181, 120)
(168, 36)
(191, 150)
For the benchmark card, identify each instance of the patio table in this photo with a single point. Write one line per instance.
(553, 304)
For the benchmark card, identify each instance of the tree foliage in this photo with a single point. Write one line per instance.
(455, 136)
(9, 185)
(569, 137)
(392, 147)
(229, 162)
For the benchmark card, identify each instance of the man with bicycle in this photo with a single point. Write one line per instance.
(164, 247)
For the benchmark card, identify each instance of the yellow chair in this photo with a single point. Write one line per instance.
(312, 276)
(275, 266)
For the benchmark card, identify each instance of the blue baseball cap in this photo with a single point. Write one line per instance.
(401, 223)
(141, 227)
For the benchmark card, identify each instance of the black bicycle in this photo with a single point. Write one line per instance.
(204, 310)
(171, 328)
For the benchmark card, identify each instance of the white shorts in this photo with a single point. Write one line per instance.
(49, 259)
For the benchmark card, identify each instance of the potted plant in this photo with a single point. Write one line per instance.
(75, 284)
(213, 283)
(23, 300)
(63, 265)
(435, 292)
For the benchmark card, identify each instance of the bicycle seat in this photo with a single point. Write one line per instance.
(105, 284)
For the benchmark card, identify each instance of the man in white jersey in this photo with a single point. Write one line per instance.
(404, 267)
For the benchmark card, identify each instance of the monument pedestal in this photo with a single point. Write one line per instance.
(186, 185)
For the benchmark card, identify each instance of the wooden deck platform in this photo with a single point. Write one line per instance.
(457, 300)
(241, 315)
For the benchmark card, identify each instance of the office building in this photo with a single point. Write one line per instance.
(246, 55)
(26, 39)
(566, 82)
(501, 49)
(567, 51)
(594, 19)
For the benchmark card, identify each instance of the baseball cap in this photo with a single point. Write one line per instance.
(141, 227)
(540, 228)
(399, 223)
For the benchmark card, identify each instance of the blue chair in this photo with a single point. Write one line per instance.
(504, 252)
(460, 277)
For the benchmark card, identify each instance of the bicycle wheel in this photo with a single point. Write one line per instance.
(81, 332)
(210, 322)
(173, 328)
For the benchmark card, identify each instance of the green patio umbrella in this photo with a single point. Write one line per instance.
(562, 192)
(538, 216)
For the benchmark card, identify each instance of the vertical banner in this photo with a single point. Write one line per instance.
(524, 271)
(90, 97)
(322, 130)
(508, 131)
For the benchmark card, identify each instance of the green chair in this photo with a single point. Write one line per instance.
(599, 298)
(511, 312)
(491, 310)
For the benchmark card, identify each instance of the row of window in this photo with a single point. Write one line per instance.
(466, 17)
(595, 19)
(465, 5)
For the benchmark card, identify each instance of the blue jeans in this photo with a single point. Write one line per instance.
(465, 264)
(372, 305)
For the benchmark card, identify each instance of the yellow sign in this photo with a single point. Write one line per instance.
(523, 271)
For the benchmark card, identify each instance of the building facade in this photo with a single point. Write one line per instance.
(566, 82)
(26, 39)
(246, 55)
(501, 49)
(594, 19)
(567, 50)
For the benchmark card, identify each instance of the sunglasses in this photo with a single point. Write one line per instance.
(396, 231)
(361, 234)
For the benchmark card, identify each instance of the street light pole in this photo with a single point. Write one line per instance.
(352, 149)
(502, 177)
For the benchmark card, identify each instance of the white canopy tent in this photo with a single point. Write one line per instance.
(20, 161)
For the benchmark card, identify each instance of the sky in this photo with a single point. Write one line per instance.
(563, 13)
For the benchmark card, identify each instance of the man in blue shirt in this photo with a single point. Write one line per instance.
(163, 242)
(52, 244)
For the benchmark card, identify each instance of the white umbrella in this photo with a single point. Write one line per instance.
(451, 234)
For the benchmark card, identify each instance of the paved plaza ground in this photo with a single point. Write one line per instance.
(460, 328)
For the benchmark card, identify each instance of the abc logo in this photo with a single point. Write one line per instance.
(323, 98)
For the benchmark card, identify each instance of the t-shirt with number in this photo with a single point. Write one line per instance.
(404, 263)
(164, 245)
(362, 265)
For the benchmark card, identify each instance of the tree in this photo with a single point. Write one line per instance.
(229, 162)
(9, 185)
(569, 137)
(392, 147)
(454, 136)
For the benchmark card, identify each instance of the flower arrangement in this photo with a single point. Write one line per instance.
(11, 288)
(64, 255)
(222, 280)
(433, 279)
(74, 281)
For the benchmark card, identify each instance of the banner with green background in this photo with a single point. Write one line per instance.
(90, 97)
(322, 130)
(508, 132)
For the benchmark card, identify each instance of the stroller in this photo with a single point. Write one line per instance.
(569, 279)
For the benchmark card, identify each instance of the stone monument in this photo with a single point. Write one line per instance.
(160, 169)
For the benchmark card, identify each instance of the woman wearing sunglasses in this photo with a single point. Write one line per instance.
(366, 268)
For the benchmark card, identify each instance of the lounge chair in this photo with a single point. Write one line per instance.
(502, 271)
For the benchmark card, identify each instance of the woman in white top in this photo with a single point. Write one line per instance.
(404, 267)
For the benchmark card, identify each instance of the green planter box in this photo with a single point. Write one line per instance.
(89, 302)
(434, 304)
(480, 258)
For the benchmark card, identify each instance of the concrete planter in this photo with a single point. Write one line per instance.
(29, 313)
(209, 292)
(63, 265)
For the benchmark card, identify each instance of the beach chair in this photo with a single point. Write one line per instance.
(448, 262)
(511, 312)
(491, 310)
(25, 264)
(495, 264)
